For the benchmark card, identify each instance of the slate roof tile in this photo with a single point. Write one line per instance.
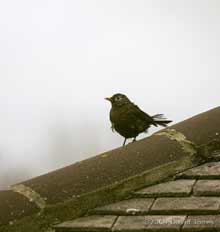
(186, 205)
(207, 188)
(206, 171)
(178, 188)
(148, 223)
(135, 206)
(202, 223)
(90, 223)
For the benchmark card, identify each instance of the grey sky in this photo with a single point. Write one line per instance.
(59, 59)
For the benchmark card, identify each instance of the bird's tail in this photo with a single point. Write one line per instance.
(160, 120)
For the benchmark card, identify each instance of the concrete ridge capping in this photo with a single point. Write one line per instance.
(188, 146)
(71, 191)
(30, 194)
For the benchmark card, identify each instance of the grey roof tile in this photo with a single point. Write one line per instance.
(207, 188)
(202, 223)
(186, 205)
(168, 189)
(149, 223)
(134, 206)
(91, 223)
(206, 171)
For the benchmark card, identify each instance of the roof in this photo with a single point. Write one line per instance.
(190, 202)
(73, 191)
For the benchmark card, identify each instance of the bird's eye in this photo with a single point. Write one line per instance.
(118, 98)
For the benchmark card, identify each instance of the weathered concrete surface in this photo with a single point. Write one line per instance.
(208, 124)
(175, 188)
(148, 223)
(134, 206)
(206, 171)
(186, 205)
(14, 205)
(90, 223)
(207, 188)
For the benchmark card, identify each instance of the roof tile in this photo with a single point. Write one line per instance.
(90, 223)
(207, 188)
(136, 206)
(176, 188)
(202, 223)
(206, 171)
(149, 223)
(186, 205)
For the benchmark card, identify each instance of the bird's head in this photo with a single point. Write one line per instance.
(118, 99)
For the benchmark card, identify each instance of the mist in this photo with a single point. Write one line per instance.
(60, 59)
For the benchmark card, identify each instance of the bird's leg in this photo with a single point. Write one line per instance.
(124, 142)
(134, 140)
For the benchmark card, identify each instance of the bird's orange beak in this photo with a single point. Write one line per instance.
(108, 99)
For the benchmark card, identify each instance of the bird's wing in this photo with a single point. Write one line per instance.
(111, 120)
(135, 110)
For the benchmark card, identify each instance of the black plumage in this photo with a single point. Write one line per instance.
(129, 120)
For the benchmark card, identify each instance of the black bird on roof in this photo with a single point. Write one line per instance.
(129, 120)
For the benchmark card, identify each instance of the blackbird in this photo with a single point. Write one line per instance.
(129, 120)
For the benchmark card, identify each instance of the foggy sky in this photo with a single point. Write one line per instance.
(59, 59)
